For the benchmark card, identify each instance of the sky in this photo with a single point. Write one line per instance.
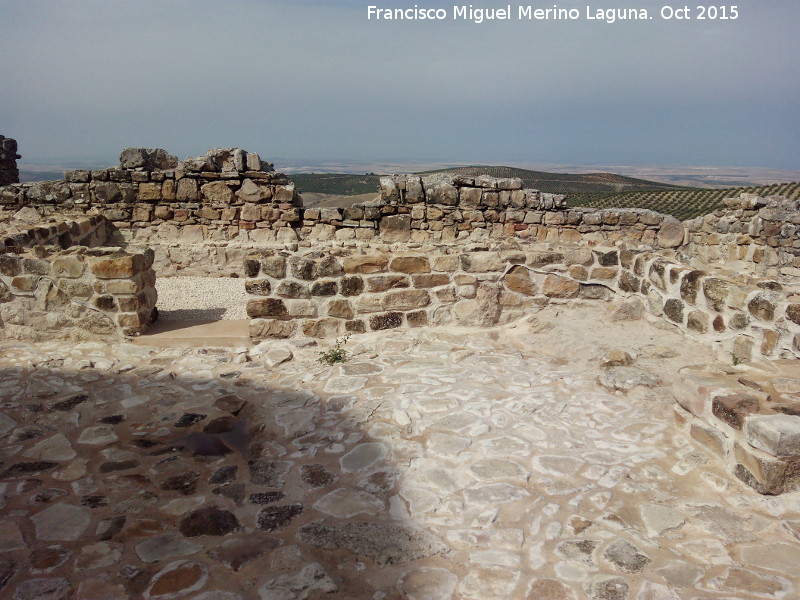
(316, 80)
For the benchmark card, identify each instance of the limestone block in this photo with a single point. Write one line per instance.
(697, 321)
(690, 285)
(778, 434)
(285, 193)
(118, 267)
(671, 234)
(481, 262)
(322, 328)
(716, 293)
(430, 280)
(765, 473)
(70, 266)
(168, 189)
(250, 212)
(603, 273)
(270, 328)
(217, 192)
(381, 283)
(410, 264)
(518, 279)
(395, 228)
(469, 197)
(351, 286)
(301, 308)
(694, 391)
(187, 190)
(762, 306)
(556, 286)
(163, 212)
(793, 313)
(356, 326)
(406, 300)
(324, 288)
(10, 265)
(710, 438)
(253, 192)
(342, 309)
(266, 307)
(365, 263)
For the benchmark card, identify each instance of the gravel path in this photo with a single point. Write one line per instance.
(200, 298)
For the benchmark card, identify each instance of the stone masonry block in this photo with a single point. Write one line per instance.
(732, 409)
(778, 435)
(406, 300)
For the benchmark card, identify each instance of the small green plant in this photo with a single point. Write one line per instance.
(337, 354)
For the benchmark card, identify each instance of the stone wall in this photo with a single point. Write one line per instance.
(750, 419)
(752, 233)
(743, 317)
(8, 161)
(229, 199)
(78, 293)
(324, 293)
(90, 231)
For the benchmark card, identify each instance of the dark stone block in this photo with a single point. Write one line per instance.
(716, 293)
(352, 286)
(386, 321)
(761, 308)
(258, 287)
(690, 285)
(673, 309)
(733, 409)
(324, 288)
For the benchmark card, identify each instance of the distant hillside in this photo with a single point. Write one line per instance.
(683, 203)
(347, 184)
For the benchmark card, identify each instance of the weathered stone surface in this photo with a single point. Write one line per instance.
(388, 320)
(673, 309)
(406, 300)
(733, 409)
(43, 589)
(269, 472)
(61, 522)
(410, 264)
(395, 228)
(779, 435)
(275, 518)
(385, 543)
(299, 586)
(556, 286)
(626, 557)
(316, 476)
(266, 307)
(211, 520)
(481, 262)
(365, 263)
(344, 503)
(163, 547)
(177, 579)
(671, 234)
(428, 584)
(236, 553)
(518, 279)
(626, 378)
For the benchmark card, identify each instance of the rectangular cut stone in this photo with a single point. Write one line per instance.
(406, 299)
(733, 409)
(710, 438)
(765, 473)
(778, 434)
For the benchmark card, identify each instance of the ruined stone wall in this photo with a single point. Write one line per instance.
(203, 211)
(8, 161)
(325, 293)
(744, 317)
(90, 231)
(752, 233)
(78, 293)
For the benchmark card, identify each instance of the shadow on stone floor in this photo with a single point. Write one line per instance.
(141, 481)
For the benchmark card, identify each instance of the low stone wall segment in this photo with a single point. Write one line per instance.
(78, 293)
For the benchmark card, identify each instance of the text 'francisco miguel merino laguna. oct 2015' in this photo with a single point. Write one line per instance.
(469, 12)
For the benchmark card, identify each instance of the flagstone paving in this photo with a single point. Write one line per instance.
(438, 463)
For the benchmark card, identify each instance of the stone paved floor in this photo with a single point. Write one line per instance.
(437, 463)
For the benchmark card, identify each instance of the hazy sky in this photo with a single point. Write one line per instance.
(316, 79)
